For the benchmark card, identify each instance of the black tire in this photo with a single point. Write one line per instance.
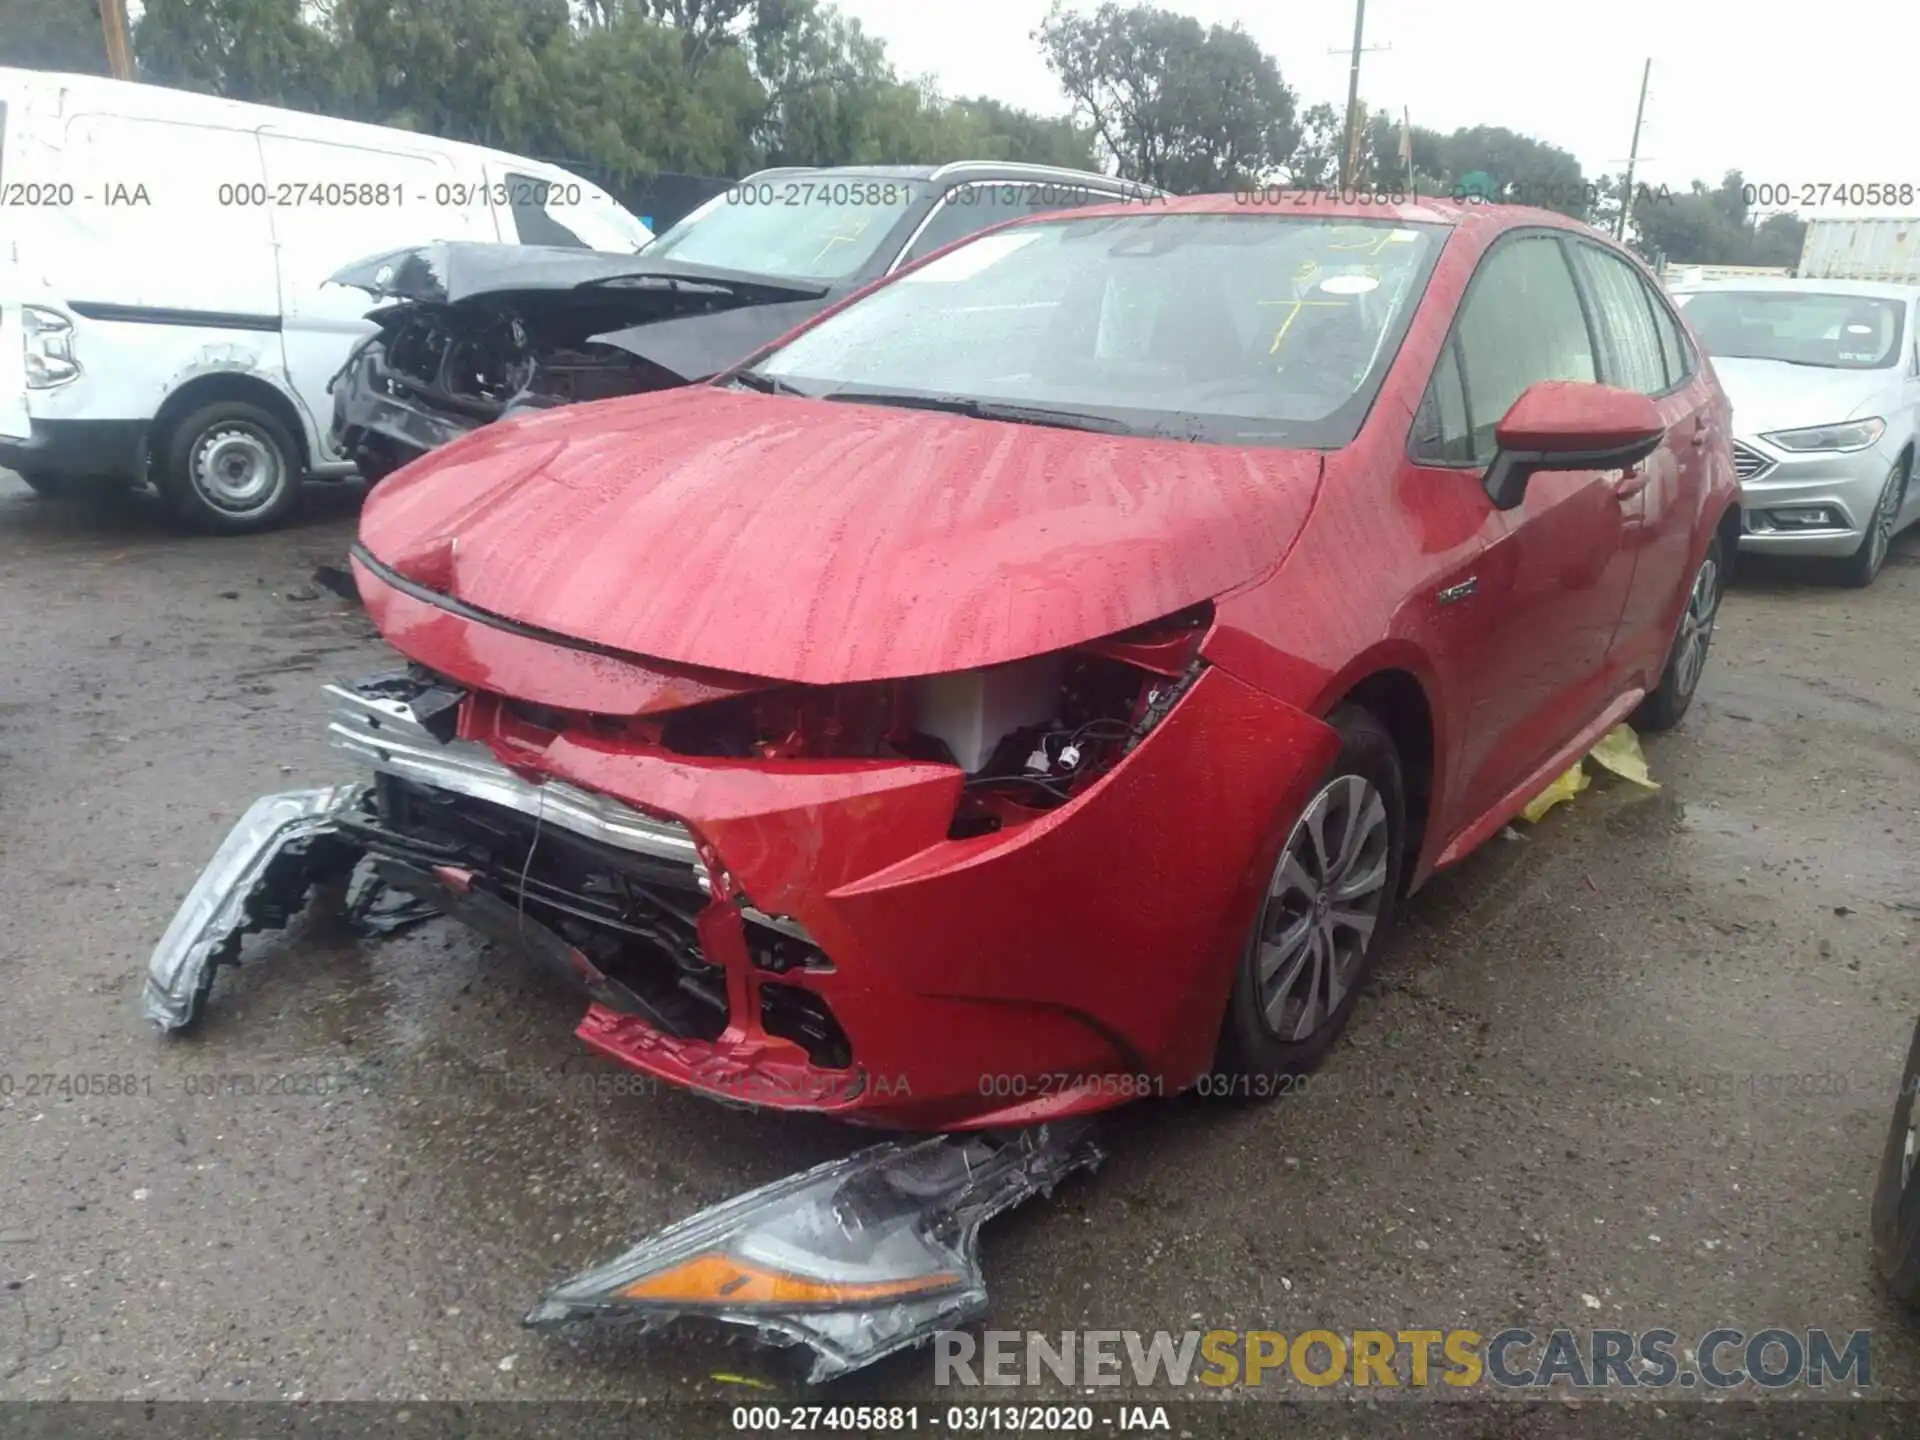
(1896, 1205)
(1679, 679)
(231, 468)
(1256, 1057)
(374, 464)
(45, 486)
(1862, 568)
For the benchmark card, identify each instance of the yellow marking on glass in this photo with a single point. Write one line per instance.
(1372, 245)
(1292, 315)
(859, 227)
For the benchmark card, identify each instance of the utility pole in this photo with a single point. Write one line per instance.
(1350, 152)
(113, 26)
(1353, 95)
(1633, 156)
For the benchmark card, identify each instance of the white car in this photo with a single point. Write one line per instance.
(1824, 376)
(164, 311)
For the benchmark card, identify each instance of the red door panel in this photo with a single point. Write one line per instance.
(1660, 532)
(1564, 567)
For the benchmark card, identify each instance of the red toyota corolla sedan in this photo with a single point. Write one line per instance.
(1033, 684)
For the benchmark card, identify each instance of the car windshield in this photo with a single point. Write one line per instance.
(1800, 327)
(1240, 329)
(805, 226)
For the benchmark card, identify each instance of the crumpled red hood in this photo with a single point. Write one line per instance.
(823, 542)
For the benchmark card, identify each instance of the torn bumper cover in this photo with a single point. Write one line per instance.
(854, 1259)
(802, 936)
(364, 405)
(259, 878)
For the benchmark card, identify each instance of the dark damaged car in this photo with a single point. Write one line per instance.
(471, 332)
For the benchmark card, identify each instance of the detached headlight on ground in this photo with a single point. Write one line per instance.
(1851, 435)
(854, 1259)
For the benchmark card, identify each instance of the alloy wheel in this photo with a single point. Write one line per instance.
(1880, 536)
(1696, 626)
(1322, 906)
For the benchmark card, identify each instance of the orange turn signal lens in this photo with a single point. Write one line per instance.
(721, 1280)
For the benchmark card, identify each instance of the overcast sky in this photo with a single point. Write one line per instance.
(1830, 98)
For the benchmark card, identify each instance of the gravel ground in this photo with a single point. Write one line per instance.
(1633, 1069)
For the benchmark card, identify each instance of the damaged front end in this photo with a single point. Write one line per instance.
(911, 903)
(905, 903)
(476, 336)
(854, 1259)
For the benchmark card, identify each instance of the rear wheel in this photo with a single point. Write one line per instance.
(1328, 909)
(1896, 1198)
(231, 468)
(1861, 568)
(1687, 660)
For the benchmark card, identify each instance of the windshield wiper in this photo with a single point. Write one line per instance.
(977, 409)
(768, 384)
(1783, 360)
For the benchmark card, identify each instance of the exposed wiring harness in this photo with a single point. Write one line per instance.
(1058, 784)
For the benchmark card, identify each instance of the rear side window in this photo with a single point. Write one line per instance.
(1629, 345)
(533, 219)
(1673, 346)
(1521, 323)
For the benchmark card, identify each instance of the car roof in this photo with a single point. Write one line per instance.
(1808, 284)
(960, 169)
(1467, 215)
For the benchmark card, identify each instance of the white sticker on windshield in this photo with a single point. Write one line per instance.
(1349, 284)
(970, 260)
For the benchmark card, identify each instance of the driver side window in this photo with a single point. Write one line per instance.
(1521, 323)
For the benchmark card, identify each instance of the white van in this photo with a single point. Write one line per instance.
(164, 315)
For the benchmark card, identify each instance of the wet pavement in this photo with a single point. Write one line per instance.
(1633, 1069)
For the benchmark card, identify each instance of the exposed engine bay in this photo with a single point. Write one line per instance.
(469, 333)
(470, 364)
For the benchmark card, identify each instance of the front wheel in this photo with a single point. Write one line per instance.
(1896, 1198)
(1328, 909)
(1687, 659)
(1862, 568)
(231, 468)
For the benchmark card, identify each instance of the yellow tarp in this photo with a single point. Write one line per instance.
(1618, 751)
